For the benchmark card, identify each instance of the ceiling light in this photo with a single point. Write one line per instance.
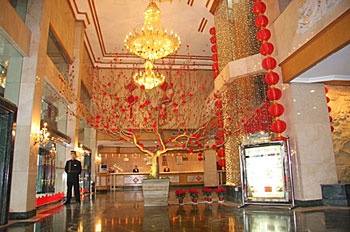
(149, 78)
(151, 42)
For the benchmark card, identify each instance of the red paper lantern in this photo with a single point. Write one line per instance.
(259, 8)
(327, 99)
(213, 39)
(332, 128)
(215, 66)
(221, 152)
(271, 78)
(214, 57)
(330, 119)
(261, 21)
(212, 31)
(329, 109)
(218, 103)
(263, 35)
(216, 73)
(222, 163)
(274, 94)
(266, 49)
(276, 110)
(269, 63)
(278, 126)
(214, 49)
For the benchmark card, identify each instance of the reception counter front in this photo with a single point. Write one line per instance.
(113, 181)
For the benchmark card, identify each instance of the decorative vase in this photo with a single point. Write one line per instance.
(194, 201)
(181, 201)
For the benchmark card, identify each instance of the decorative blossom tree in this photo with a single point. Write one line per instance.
(183, 105)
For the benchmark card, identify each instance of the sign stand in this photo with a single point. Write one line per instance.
(266, 174)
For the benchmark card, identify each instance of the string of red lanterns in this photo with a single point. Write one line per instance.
(329, 109)
(269, 63)
(214, 49)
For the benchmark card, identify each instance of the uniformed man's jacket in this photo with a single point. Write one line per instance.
(73, 169)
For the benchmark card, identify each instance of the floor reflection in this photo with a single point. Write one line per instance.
(124, 211)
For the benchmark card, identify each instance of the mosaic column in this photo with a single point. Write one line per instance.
(235, 31)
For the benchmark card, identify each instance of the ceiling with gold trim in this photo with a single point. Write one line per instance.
(107, 23)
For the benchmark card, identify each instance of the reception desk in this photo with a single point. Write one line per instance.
(130, 179)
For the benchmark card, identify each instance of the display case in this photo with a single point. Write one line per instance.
(46, 171)
(266, 173)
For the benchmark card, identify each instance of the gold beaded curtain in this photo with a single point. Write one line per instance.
(235, 31)
(240, 103)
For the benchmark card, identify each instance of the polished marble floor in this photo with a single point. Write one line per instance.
(124, 211)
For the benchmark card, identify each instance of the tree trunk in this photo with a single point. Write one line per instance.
(155, 167)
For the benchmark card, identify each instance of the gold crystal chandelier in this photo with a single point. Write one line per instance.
(149, 78)
(151, 42)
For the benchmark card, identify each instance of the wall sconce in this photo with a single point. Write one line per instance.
(42, 137)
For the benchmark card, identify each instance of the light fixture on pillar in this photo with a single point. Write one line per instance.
(43, 136)
(151, 42)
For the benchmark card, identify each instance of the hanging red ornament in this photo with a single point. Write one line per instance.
(271, 78)
(213, 39)
(274, 94)
(269, 63)
(214, 57)
(259, 8)
(330, 119)
(261, 21)
(218, 103)
(221, 152)
(328, 100)
(215, 66)
(278, 126)
(329, 109)
(212, 31)
(276, 109)
(222, 163)
(214, 49)
(332, 128)
(266, 49)
(216, 73)
(263, 35)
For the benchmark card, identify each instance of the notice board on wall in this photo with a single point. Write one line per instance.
(266, 173)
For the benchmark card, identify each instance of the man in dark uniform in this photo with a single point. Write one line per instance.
(73, 169)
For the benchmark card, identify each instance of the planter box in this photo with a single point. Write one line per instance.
(155, 192)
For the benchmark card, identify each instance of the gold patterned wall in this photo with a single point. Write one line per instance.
(235, 31)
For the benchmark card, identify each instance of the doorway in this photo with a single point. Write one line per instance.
(7, 134)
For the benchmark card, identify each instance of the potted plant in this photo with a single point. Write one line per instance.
(220, 191)
(194, 194)
(180, 194)
(207, 194)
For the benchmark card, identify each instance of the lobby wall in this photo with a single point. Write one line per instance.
(340, 112)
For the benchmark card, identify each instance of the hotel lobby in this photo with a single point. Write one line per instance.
(247, 97)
